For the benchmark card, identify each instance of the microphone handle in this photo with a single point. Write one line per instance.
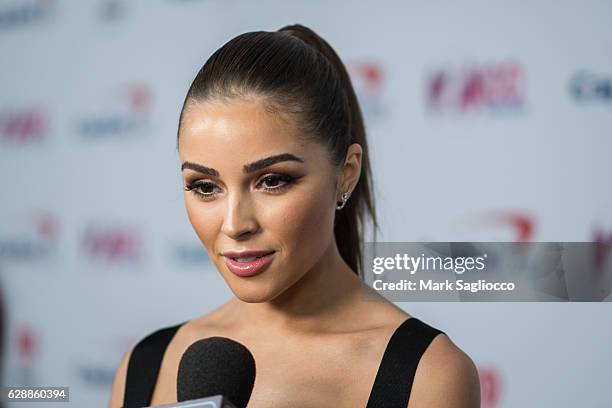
(217, 401)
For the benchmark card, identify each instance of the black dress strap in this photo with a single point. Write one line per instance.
(143, 367)
(396, 372)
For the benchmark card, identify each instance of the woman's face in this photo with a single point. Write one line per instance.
(252, 183)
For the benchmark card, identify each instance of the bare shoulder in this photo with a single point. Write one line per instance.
(445, 377)
(118, 388)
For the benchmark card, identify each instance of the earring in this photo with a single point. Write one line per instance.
(340, 205)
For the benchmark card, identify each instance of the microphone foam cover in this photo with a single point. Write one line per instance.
(216, 366)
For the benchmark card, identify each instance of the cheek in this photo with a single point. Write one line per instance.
(202, 220)
(304, 222)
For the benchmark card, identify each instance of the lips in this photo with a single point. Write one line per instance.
(238, 254)
(248, 263)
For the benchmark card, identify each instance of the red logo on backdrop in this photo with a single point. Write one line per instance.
(367, 76)
(368, 79)
(497, 86)
(126, 112)
(112, 244)
(23, 127)
(29, 237)
(27, 343)
(521, 225)
(47, 226)
(490, 387)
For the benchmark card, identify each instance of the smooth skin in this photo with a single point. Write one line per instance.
(316, 331)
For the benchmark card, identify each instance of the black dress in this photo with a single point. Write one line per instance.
(391, 387)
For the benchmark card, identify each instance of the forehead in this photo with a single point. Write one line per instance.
(235, 128)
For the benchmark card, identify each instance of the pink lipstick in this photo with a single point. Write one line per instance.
(248, 263)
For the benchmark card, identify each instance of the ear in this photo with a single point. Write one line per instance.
(350, 171)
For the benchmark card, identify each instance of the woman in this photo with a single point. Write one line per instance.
(275, 166)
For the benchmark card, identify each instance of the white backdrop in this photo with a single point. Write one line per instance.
(488, 121)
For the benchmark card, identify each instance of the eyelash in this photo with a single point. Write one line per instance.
(287, 179)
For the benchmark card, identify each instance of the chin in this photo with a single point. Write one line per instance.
(257, 289)
(253, 294)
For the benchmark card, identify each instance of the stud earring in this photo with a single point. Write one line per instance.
(340, 204)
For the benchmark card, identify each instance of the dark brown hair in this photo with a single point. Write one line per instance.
(297, 72)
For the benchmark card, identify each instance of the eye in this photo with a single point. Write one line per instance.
(276, 182)
(204, 190)
(273, 183)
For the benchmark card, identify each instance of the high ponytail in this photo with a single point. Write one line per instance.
(299, 72)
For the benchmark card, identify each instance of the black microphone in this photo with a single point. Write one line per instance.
(216, 366)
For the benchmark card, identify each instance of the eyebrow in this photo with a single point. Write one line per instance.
(247, 168)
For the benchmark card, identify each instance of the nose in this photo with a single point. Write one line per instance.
(239, 221)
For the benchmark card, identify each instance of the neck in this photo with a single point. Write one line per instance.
(317, 302)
